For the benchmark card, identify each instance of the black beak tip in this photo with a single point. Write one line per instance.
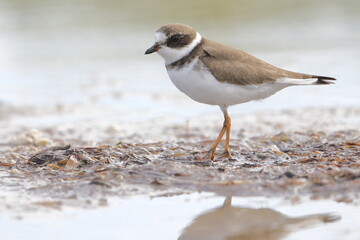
(149, 51)
(152, 49)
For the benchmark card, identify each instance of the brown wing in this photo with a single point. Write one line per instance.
(237, 67)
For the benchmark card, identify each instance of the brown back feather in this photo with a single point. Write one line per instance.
(235, 66)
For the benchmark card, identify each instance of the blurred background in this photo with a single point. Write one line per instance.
(70, 61)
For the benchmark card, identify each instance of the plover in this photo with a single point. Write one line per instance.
(212, 73)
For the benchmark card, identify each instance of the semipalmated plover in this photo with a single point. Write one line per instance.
(215, 74)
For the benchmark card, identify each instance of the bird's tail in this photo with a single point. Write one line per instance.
(321, 80)
(305, 79)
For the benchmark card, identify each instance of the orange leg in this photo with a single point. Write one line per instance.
(211, 153)
(225, 129)
(226, 153)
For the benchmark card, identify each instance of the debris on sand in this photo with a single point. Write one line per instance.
(313, 163)
(319, 164)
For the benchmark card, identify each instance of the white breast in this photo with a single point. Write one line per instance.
(200, 85)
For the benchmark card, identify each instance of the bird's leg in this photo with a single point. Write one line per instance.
(226, 128)
(211, 153)
(226, 153)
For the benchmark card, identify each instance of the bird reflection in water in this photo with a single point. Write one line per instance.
(237, 223)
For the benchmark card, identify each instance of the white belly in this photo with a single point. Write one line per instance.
(201, 86)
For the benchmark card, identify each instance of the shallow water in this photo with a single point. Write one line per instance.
(171, 217)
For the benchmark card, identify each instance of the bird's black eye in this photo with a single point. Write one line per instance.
(176, 38)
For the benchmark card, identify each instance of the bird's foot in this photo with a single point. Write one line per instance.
(209, 155)
(226, 154)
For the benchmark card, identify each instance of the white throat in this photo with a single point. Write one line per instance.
(171, 55)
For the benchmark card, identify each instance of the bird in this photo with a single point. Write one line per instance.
(213, 73)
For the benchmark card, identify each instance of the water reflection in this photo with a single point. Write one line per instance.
(229, 223)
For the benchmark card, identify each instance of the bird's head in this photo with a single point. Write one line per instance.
(174, 41)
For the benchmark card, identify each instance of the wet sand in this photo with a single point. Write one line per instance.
(298, 153)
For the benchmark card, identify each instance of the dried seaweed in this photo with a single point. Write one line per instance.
(311, 163)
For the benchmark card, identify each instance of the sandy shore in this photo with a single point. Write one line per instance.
(306, 152)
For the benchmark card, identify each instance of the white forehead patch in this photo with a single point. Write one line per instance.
(171, 55)
(160, 37)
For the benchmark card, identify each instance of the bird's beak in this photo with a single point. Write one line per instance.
(153, 48)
